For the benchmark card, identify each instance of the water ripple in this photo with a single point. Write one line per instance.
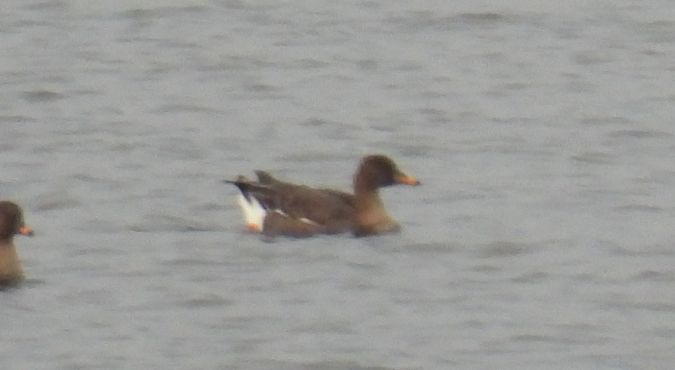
(41, 96)
(330, 365)
(207, 301)
(163, 223)
(501, 249)
(639, 208)
(655, 276)
(56, 200)
(531, 277)
(640, 134)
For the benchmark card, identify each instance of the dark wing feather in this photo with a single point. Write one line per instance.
(328, 210)
(331, 209)
(263, 193)
(265, 178)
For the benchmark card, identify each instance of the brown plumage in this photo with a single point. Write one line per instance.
(11, 223)
(300, 211)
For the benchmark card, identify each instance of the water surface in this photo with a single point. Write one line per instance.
(541, 239)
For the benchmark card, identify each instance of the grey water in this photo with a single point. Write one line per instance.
(543, 134)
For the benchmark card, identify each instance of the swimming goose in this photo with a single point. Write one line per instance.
(274, 207)
(11, 223)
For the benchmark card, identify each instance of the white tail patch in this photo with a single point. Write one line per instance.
(307, 221)
(254, 213)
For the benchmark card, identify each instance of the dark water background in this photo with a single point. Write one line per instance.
(543, 133)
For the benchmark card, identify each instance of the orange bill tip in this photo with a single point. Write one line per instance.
(406, 180)
(25, 230)
(253, 228)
